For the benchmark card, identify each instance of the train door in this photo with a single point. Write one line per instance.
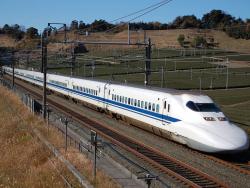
(165, 111)
(68, 86)
(106, 95)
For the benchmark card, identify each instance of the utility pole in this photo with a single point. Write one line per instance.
(73, 58)
(44, 66)
(148, 178)
(148, 62)
(13, 70)
(200, 84)
(65, 121)
(128, 34)
(227, 74)
(94, 143)
(162, 77)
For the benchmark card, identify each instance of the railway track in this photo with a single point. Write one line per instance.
(171, 167)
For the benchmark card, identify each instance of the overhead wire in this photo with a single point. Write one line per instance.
(133, 13)
(132, 19)
(151, 7)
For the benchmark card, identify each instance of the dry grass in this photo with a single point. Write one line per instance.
(6, 41)
(161, 39)
(164, 38)
(24, 160)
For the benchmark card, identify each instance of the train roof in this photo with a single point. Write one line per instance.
(137, 86)
(153, 88)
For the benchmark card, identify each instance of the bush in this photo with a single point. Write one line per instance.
(181, 39)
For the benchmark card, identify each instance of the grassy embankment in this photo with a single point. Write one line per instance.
(25, 162)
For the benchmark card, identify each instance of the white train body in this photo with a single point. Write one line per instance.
(189, 118)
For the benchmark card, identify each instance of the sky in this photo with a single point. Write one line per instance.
(39, 13)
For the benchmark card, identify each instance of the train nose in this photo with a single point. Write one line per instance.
(232, 139)
(220, 138)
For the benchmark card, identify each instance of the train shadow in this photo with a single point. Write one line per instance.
(242, 157)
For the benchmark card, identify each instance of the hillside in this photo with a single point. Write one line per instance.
(161, 38)
(6, 41)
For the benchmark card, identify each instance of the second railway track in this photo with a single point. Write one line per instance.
(179, 171)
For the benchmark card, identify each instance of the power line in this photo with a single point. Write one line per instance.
(152, 9)
(144, 9)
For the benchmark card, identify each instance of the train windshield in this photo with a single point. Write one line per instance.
(202, 107)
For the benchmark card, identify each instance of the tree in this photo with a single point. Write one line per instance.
(32, 33)
(181, 39)
(199, 42)
(101, 25)
(184, 22)
(15, 31)
(82, 25)
(216, 19)
(74, 25)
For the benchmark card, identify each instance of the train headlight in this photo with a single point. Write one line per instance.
(222, 118)
(209, 118)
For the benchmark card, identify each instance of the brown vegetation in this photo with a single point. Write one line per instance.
(161, 39)
(25, 162)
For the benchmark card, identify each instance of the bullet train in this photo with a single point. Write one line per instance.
(192, 119)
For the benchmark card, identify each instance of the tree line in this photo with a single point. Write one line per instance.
(215, 19)
(19, 32)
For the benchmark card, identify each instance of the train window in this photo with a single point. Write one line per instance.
(168, 107)
(142, 104)
(135, 102)
(139, 103)
(146, 105)
(128, 100)
(202, 107)
(132, 101)
(81, 88)
(112, 96)
(157, 108)
(153, 107)
(192, 106)
(149, 106)
(165, 104)
(122, 99)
